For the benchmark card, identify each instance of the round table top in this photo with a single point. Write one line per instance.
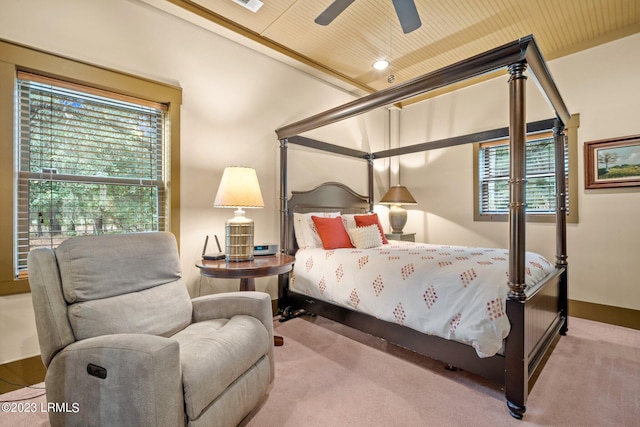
(260, 266)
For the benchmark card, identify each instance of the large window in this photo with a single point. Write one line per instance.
(83, 150)
(89, 162)
(491, 164)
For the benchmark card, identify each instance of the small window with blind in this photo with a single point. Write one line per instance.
(89, 162)
(493, 179)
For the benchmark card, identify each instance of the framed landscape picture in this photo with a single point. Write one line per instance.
(612, 162)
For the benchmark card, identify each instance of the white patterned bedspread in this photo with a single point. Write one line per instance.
(454, 292)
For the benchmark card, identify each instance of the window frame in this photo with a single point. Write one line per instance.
(14, 58)
(571, 132)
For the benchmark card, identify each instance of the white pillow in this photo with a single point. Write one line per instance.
(366, 237)
(305, 230)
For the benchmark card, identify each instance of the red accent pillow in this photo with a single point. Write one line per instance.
(332, 232)
(364, 220)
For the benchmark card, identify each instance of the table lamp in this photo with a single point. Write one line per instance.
(396, 196)
(239, 188)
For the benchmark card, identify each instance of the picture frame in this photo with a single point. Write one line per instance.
(611, 163)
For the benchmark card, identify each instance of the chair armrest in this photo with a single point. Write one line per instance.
(143, 383)
(228, 304)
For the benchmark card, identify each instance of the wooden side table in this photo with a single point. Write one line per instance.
(247, 271)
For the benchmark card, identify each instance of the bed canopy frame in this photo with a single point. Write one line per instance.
(526, 343)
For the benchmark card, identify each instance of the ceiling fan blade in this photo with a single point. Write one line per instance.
(407, 15)
(332, 12)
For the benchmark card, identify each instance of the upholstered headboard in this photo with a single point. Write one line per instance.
(327, 197)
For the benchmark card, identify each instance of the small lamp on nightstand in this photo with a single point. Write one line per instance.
(239, 188)
(396, 196)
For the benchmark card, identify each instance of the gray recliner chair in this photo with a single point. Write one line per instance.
(124, 345)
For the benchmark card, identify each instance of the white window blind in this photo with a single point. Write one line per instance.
(89, 162)
(540, 190)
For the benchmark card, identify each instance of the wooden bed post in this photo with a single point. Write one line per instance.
(517, 179)
(561, 222)
(516, 363)
(283, 196)
(283, 279)
(370, 183)
(561, 194)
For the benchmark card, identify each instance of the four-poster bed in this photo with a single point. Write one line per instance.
(537, 312)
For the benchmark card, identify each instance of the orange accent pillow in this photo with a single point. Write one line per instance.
(332, 232)
(364, 220)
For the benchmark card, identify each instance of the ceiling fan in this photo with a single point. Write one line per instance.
(405, 9)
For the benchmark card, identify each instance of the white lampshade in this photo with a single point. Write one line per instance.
(239, 188)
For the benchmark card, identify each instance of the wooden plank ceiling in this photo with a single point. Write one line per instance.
(451, 30)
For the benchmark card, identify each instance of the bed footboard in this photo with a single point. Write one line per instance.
(535, 322)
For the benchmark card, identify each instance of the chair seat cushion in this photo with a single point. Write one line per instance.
(214, 354)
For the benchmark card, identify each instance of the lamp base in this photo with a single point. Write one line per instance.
(239, 238)
(397, 218)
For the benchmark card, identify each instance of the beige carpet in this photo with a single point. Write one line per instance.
(329, 379)
(330, 375)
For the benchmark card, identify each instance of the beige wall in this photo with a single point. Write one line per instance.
(601, 85)
(233, 100)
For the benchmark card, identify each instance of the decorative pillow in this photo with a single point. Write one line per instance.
(305, 230)
(366, 237)
(364, 220)
(349, 220)
(332, 233)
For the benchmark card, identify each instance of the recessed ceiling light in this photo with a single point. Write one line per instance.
(381, 64)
